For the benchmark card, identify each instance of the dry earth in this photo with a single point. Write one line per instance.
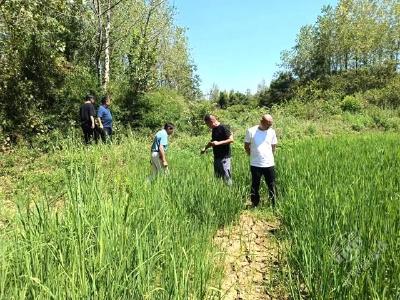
(251, 263)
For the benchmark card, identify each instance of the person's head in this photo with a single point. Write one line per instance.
(266, 121)
(211, 121)
(169, 128)
(106, 100)
(90, 98)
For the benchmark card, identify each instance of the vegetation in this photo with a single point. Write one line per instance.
(78, 218)
(97, 230)
(54, 53)
(85, 222)
(342, 217)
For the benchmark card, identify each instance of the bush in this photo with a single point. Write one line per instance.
(198, 109)
(351, 104)
(360, 80)
(309, 92)
(156, 108)
(359, 122)
(387, 97)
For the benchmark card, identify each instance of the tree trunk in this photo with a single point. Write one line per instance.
(99, 48)
(106, 78)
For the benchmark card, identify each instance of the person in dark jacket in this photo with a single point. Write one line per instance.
(87, 114)
(221, 140)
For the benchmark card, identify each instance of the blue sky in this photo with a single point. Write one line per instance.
(236, 44)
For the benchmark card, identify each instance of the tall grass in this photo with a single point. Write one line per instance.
(341, 207)
(116, 235)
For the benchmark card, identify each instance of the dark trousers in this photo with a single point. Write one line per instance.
(106, 134)
(87, 133)
(269, 175)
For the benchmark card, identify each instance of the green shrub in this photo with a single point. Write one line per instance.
(384, 119)
(387, 97)
(351, 104)
(156, 108)
(195, 123)
(311, 130)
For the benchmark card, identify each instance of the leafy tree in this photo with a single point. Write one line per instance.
(156, 108)
(54, 53)
(281, 88)
(223, 100)
(352, 47)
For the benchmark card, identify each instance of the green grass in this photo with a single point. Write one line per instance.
(87, 223)
(115, 235)
(340, 206)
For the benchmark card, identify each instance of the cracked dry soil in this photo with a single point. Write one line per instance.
(251, 262)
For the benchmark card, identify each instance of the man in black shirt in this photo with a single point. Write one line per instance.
(87, 114)
(221, 138)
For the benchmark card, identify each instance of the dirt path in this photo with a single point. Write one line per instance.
(251, 259)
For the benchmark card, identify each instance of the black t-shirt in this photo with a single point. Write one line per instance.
(221, 133)
(86, 111)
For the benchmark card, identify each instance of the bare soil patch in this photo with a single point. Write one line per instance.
(251, 259)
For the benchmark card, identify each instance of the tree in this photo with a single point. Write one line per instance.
(281, 88)
(356, 38)
(223, 100)
(214, 93)
(54, 53)
(33, 61)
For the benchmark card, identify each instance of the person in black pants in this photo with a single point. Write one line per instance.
(260, 144)
(87, 114)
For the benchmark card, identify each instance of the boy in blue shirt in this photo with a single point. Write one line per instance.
(159, 148)
(105, 119)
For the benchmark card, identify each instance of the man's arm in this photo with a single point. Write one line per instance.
(247, 148)
(205, 148)
(162, 156)
(92, 120)
(224, 142)
(99, 116)
(92, 115)
(100, 123)
(273, 148)
(274, 142)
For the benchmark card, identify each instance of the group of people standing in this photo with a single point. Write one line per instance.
(96, 126)
(259, 143)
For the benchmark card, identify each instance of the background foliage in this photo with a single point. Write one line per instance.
(54, 53)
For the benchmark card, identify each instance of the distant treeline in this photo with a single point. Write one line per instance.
(352, 49)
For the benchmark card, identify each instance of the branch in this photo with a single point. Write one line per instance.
(111, 7)
(153, 7)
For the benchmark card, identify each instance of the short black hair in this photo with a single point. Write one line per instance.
(207, 118)
(169, 125)
(89, 97)
(105, 98)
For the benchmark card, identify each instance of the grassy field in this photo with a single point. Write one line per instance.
(87, 223)
(114, 235)
(340, 204)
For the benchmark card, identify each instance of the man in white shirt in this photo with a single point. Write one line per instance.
(260, 143)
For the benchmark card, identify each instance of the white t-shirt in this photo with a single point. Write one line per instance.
(261, 142)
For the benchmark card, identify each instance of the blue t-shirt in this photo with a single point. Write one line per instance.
(161, 138)
(104, 114)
